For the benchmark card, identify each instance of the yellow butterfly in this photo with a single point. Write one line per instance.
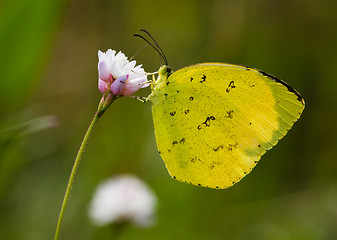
(214, 121)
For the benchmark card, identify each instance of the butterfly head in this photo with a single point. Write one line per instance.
(165, 71)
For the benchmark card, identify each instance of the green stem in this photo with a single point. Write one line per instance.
(73, 173)
(105, 102)
(98, 114)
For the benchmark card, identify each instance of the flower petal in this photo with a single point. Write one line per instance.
(118, 85)
(129, 66)
(100, 54)
(134, 85)
(103, 71)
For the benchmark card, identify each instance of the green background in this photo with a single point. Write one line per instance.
(48, 95)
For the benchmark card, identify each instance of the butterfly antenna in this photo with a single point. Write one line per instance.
(140, 36)
(162, 52)
(138, 52)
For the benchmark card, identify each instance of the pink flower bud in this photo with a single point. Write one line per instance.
(101, 85)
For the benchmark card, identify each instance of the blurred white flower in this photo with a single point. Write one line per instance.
(118, 75)
(123, 198)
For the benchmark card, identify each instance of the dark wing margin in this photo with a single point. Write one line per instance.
(290, 89)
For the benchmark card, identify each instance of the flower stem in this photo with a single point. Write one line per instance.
(104, 104)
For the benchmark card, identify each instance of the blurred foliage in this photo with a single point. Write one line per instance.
(49, 68)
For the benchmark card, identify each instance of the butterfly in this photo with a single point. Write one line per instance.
(214, 121)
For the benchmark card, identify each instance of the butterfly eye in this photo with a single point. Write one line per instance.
(169, 70)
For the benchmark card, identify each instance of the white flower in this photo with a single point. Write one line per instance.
(118, 75)
(123, 198)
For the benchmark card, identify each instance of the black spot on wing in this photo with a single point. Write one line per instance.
(187, 111)
(203, 79)
(229, 114)
(173, 113)
(195, 159)
(207, 122)
(181, 141)
(218, 148)
(230, 147)
(230, 86)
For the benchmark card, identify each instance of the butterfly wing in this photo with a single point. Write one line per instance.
(214, 121)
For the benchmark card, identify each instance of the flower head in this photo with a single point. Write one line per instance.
(123, 198)
(118, 75)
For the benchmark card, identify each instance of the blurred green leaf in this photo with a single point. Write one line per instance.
(26, 30)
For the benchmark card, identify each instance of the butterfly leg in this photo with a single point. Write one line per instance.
(142, 99)
(145, 99)
(153, 82)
